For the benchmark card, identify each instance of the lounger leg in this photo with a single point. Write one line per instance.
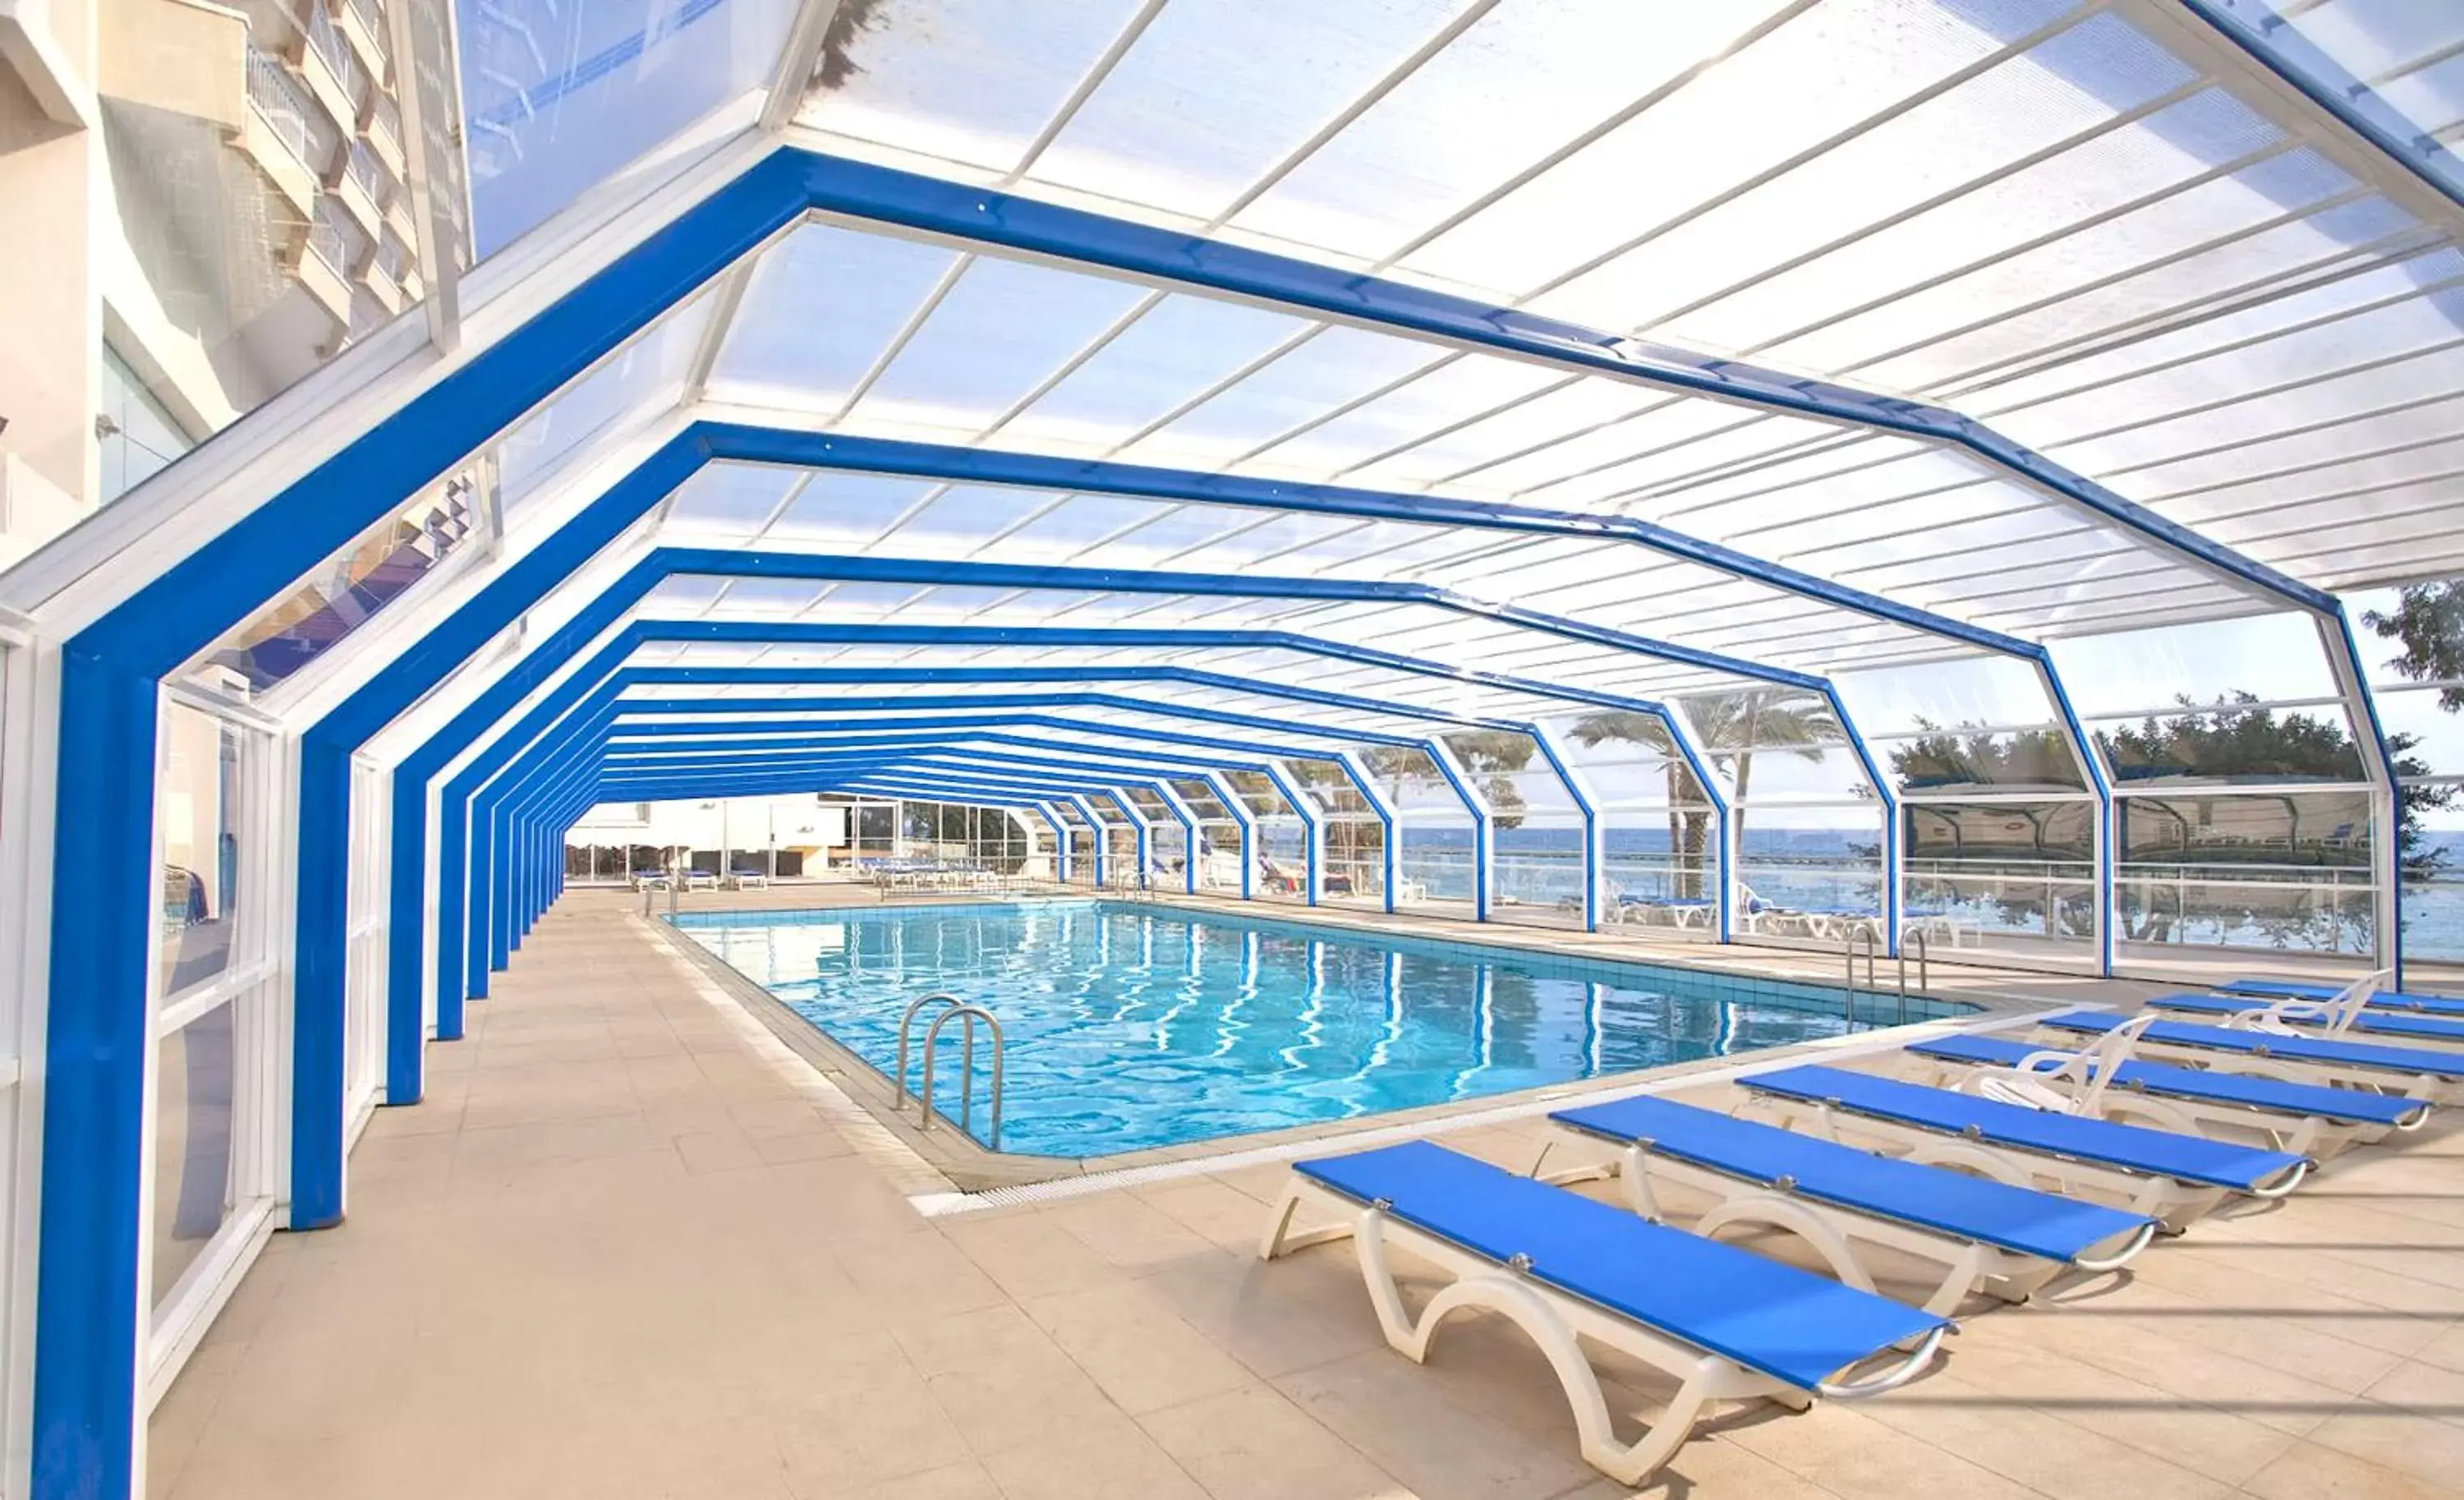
(1963, 1157)
(1781, 1213)
(1281, 1237)
(1511, 1299)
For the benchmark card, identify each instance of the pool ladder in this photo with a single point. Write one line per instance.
(1864, 937)
(966, 1015)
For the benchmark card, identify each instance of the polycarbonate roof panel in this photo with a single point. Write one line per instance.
(2079, 223)
(2400, 63)
(984, 351)
(1282, 667)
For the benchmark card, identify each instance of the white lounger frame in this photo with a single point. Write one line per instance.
(1832, 1229)
(2079, 1081)
(1555, 1320)
(2179, 1205)
(2428, 1087)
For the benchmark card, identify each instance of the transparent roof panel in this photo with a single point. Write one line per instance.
(558, 98)
(2400, 63)
(2083, 227)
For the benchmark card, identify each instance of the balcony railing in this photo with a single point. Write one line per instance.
(386, 124)
(337, 53)
(371, 18)
(370, 175)
(391, 258)
(284, 102)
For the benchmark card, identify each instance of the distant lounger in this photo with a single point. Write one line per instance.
(2349, 1012)
(2379, 1000)
(2175, 1178)
(2306, 1118)
(2009, 1241)
(2419, 1072)
(1726, 1323)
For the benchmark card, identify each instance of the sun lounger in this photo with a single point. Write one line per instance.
(2243, 1012)
(1729, 1324)
(2175, 1178)
(2007, 1240)
(2308, 1119)
(2418, 1072)
(2379, 1000)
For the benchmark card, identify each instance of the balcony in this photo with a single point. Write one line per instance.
(362, 28)
(337, 78)
(363, 190)
(384, 137)
(324, 271)
(276, 134)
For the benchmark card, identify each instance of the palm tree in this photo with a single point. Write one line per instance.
(1731, 726)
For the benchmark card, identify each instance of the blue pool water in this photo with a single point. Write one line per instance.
(1132, 1026)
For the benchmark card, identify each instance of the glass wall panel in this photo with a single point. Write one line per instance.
(202, 814)
(2013, 876)
(1658, 825)
(2286, 869)
(352, 586)
(2412, 641)
(1987, 691)
(1807, 871)
(2269, 658)
(196, 1105)
(1971, 758)
(2230, 743)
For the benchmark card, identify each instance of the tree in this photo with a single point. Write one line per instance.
(1731, 727)
(1493, 756)
(2429, 622)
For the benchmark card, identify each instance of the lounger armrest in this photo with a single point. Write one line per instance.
(2124, 1256)
(1908, 1368)
(2301, 1170)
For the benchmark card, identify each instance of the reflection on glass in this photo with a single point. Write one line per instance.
(194, 1081)
(355, 584)
(255, 214)
(2232, 741)
(2253, 870)
(2001, 869)
(199, 810)
(1970, 756)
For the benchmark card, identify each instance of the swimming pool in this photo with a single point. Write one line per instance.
(1133, 1026)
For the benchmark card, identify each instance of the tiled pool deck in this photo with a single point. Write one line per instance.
(630, 1248)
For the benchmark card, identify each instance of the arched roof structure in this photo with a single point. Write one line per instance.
(1058, 400)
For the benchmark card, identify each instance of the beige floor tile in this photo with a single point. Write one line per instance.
(1224, 1214)
(2039, 1450)
(1129, 1232)
(1254, 1444)
(1107, 1457)
(1385, 1407)
(2429, 1450)
(1030, 1255)
(915, 1278)
(1851, 1455)
(1002, 1381)
(1136, 1348)
(2311, 1473)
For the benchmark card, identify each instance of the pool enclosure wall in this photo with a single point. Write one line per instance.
(1917, 475)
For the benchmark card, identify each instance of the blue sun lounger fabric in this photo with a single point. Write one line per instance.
(2348, 1106)
(2392, 1022)
(1789, 1324)
(2132, 1148)
(2333, 1052)
(2382, 1000)
(2008, 1217)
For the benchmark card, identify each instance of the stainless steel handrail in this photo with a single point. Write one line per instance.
(906, 1027)
(1865, 932)
(1924, 966)
(967, 1070)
